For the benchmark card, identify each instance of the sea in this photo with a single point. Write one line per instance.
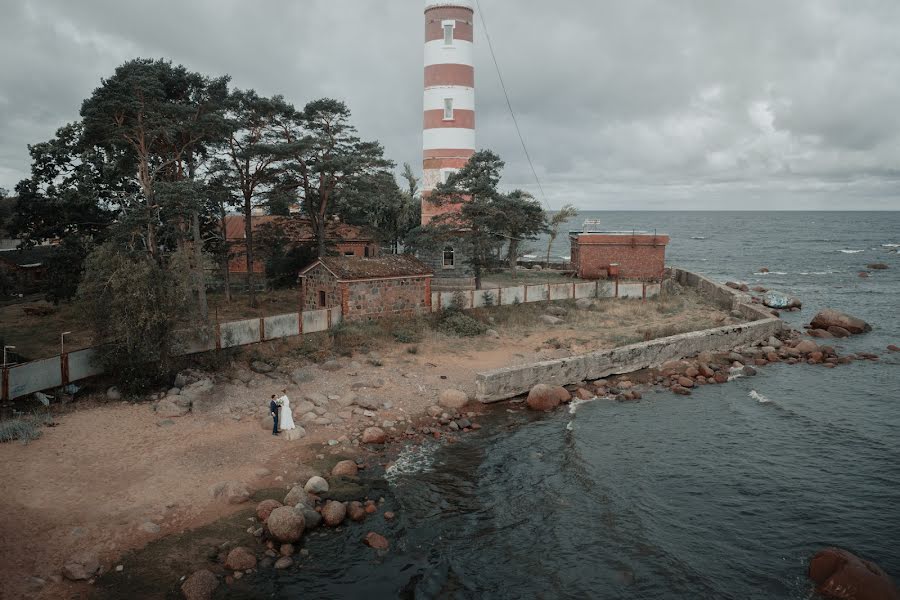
(723, 494)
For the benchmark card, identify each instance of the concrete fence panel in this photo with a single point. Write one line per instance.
(631, 290)
(653, 290)
(82, 364)
(482, 298)
(34, 376)
(315, 320)
(203, 340)
(512, 295)
(606, 289)
(239, 333)
(537, 293)
(585, 290)
(561, 291)
(282, 326)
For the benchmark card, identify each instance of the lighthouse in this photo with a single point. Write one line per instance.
(448, 130)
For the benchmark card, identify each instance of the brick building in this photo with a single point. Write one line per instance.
(346, 240)
(366, 288)
(24, 270)
(625, 254)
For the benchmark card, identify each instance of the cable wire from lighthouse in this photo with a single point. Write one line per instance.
(512, 113)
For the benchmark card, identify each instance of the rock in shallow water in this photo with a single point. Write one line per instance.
(842, 575)
(832, 318)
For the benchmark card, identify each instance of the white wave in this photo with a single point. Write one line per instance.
(411, 460)
(759, 397)
(529, 256)
(576, 402)
(697, 237)
(772, 273)
(570, 426)
(566, 257)
(851, 251)
(815, 273)
(735, 373)
(890, 245)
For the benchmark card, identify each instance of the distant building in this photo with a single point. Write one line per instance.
(24, 270)
(637, 255)
(448, 128)
(397, 284)
(347, 240)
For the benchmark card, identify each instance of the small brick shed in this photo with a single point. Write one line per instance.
(367, 288)
(635, 254)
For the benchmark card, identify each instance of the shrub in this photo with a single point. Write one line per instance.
(408, 332)
(412, 350)
(25, 428)
(458, 303)
(353, 336)
(488, 298)
(460, 325)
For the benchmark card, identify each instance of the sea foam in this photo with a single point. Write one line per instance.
(759, 397)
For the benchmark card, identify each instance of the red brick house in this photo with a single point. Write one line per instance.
(347, 240)
(625, 254)
(367, 288)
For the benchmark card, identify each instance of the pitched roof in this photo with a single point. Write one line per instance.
(298, 229)
(33, 256)
(348, 268)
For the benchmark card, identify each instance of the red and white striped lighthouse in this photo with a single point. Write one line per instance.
(449, 123)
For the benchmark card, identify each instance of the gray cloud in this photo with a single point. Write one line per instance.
(638, 104)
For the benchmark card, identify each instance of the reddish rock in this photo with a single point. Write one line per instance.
(583, 394)
(200, 585)
(286, 524)
(681, 391)
(286, 549)
(760, 289)
(863, 274)
(389, 516)
(763, 270)
(373, 435)
(685, 382)
(637, 395)
(772, 357)
(706, 371)
(333, 513)
(819, 333)
(345, 468)
(378, 542)
(691, 372)
(356, 512)
(370, 509)
(240, 559)
(265, 508)
(806, 346)
(842, 575)
(546, 397)
(720, 377)
(894, 348)
(816, 356)
(760, 362)
(832, 318)
(838, 332)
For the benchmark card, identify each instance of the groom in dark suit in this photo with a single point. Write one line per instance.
(273, 408)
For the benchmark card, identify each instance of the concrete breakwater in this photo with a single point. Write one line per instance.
(508, 382)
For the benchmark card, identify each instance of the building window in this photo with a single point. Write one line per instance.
(448, 109)
(366, 252)
(448, 33)
(446, 173)
(321, 298)
(449, 258)
(349, 253)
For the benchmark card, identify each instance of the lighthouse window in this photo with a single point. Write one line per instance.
(448, 109)
(448, 34)
(448, 258)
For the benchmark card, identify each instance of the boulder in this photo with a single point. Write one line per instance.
(877, 266)
(240, 559)
(373, 435)
(893, 348)
(819, 333)
(316, 399)
(296, 496)
(775, 299)
(550, 320)
(168, 408)
(286, 524)
(311, 516)
(547, 397)
(832, 318)
(330, 365)
(838, 332)
(453, 399)
(258, 366)
(584, 304)
(376, 541)
(303, 407)
(686, 382)
(231, 492)
(842, 575)
(200, 585)
(681, 391)
(286, 549)
(345, 468)
(356, 512)
(265, 508)
(493, 334)
(81, 566)
(806, 346)
(302, 375)
(368, 403)
(113, 393)
(316, 485)
(285, 562)
(292, 435)
(333, 513)
(243, 375)
(557, 311)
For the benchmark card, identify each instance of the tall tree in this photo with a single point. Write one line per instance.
(160, 114)
(327, 160)
(519, 218)
(377, 203)
(250, 157)
(559, 218)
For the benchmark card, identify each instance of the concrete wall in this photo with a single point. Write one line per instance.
(512, 295)
(631, 290)
(282, 326)
(561, 291)
(81, 364)
(538, 293)
(585, 290)
(500, 384)
(34, 376)
(239, 333)
(315, 320)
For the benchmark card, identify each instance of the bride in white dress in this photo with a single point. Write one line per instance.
(285, 418)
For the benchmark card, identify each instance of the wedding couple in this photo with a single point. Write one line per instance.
(280, 410)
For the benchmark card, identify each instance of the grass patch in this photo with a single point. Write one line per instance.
(24, 428)
(457, 324)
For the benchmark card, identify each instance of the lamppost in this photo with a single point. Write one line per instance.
(5, 349)
(62, 342)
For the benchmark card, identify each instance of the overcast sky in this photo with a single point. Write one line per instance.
(625, 104)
